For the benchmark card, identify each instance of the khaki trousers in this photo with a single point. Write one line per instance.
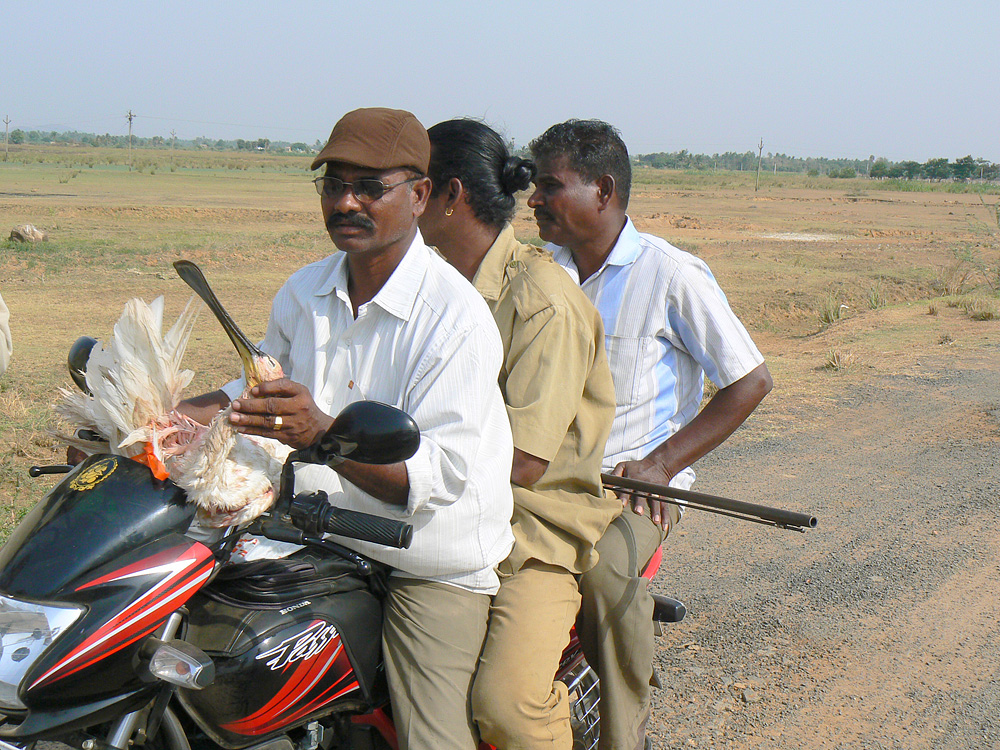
(515, 701)
(616, 627)
(432, 636)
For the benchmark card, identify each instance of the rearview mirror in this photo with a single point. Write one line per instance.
(79, 353)
(368, 432)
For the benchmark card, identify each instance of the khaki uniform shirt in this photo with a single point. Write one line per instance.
(560, 400)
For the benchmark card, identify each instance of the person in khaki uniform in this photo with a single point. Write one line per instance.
(560, 399)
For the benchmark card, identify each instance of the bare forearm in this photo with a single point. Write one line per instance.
(203, 408)
(526, 468)
(388, 483)
(726, 411)
(721, 416)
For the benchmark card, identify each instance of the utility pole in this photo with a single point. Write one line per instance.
(760, 151)
(130, 117)
(6, 136)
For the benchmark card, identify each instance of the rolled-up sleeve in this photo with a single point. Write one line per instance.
(550, 359)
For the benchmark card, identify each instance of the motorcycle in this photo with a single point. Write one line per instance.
(119, 629)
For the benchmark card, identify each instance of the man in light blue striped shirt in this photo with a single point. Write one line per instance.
(667, 325)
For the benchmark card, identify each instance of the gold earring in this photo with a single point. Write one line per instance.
(449, 211)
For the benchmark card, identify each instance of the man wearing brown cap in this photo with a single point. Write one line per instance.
(389, 320)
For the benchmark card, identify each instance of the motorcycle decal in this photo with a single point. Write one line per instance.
(93, 475)
(303, 692)
(181, 572)
(305, 645)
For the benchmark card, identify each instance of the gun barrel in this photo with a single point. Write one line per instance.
(700, 501)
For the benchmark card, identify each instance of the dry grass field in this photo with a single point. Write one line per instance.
(877, 311)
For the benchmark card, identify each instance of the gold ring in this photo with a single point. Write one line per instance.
(277, 423)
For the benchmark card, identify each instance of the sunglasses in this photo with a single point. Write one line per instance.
(366, 189)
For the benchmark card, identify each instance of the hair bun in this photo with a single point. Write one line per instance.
(517, 174)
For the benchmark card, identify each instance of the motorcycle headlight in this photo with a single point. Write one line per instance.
(26, 631)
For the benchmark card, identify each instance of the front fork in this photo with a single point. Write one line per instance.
(123, 728)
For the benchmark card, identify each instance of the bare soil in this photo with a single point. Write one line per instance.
(878, 629)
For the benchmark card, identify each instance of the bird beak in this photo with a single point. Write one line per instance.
(248, 351)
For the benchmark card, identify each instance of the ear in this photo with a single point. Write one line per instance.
(419, 194)
(605, 191)
(454, 194)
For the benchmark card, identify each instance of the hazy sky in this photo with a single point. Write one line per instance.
(904, 80)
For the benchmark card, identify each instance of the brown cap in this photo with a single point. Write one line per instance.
(378, 138)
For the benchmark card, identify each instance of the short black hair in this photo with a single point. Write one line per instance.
(594, 148)
(476, 154)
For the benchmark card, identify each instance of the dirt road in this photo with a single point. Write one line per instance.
(881, 628)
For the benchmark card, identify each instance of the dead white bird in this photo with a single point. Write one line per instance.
(232, 478)
(135, 383)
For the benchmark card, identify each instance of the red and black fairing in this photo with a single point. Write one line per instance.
(110, 539)
(284, 656)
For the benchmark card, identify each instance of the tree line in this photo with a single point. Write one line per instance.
(964, 168)
(18, 137)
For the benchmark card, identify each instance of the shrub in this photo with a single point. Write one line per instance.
(876, 296)
(981, 308)
(831, 311)
(839, 360)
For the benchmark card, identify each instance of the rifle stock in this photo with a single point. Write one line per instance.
(763, 514)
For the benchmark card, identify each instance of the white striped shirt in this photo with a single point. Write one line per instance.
(667, 324)
(427, 344)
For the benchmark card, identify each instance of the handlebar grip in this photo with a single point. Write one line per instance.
(368, 528)
(37, 471)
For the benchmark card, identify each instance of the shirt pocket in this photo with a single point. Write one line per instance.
(625, 357)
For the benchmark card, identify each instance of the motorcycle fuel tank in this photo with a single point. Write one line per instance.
(107, 544)
(280, 665)
(105, 508)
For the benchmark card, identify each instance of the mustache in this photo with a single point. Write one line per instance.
(541, 213)
(350, 220)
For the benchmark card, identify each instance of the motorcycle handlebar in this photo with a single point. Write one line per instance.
(37, 471)
(313, 514)
(368, 528)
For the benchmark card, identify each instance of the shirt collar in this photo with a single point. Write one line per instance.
(627, 248)
(489, 279)
(626, 251)
(399, 293)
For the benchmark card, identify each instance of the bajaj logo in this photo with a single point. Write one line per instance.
(302, 646)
